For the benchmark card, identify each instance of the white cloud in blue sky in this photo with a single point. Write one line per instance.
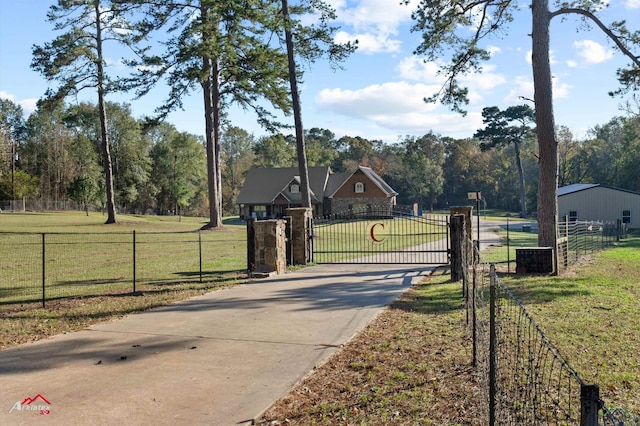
(380, 93)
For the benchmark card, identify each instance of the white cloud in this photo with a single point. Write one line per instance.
(522, 91)
(592, 52)
(398, 107)
(388, 99)
(370, 42)
(632, 4)
(374, 23)
(416, 69)
(481, 84)
(5, 95)
(28, 105)
(493, 50)
(374, 13)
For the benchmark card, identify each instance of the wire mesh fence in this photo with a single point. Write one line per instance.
(575, 240)
(44, 266)
(583, 238)
(526, 379)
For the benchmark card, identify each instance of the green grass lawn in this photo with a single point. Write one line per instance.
(80, 256)
(591, 312)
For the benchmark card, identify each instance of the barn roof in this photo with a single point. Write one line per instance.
(577, 187)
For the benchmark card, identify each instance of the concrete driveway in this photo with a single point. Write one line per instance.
(217, 359)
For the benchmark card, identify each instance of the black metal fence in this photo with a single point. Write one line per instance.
(380, 236)
(43, 266)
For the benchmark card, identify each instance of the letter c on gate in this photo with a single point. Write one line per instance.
(372, 232)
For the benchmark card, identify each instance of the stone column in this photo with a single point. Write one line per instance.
(270, 247)
(300, 244)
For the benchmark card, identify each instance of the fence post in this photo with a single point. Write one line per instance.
(251, 251)
(618, 230)
(474, 329)
(134, 260)
(589, 405)
(44, 263)
(493, 343)
(457, 246)
(508, 248)
(200, 251)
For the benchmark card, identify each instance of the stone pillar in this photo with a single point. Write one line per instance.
(270, 247)
(300, 245)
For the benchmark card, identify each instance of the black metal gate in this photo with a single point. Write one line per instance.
(380, 237)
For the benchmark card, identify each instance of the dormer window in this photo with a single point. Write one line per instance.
(359, 187)
(294, 189)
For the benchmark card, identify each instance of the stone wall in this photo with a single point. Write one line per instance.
(339, 205)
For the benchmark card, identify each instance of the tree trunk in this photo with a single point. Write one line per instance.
(548, 162)
(523, 200)
(297, 111)
(215, 98)
(106, 155)
(211, 120)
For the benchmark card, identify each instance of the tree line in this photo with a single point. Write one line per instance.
(158, 169)
(244, 52)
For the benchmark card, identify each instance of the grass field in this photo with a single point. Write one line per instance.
(89, 267)
(592, 314)
(76, 255)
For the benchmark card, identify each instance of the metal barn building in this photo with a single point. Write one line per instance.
(599, 202)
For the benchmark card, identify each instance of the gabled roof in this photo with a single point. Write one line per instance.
(577, 187)
(336, 181)
(262, 185)
(296, 197)
(384, 186)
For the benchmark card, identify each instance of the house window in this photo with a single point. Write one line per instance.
(294, 189)
(626, 216)
(359, 187)
(573, 216)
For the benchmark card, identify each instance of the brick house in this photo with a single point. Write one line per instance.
(268, 192)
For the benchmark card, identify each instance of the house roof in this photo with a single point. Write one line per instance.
(384, 186)
(339, 179)
(577, 187)
(569, 189)
(262, 185)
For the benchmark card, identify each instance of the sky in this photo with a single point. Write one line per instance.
(379, 93)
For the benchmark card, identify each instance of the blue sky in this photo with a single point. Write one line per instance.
(379, 93)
